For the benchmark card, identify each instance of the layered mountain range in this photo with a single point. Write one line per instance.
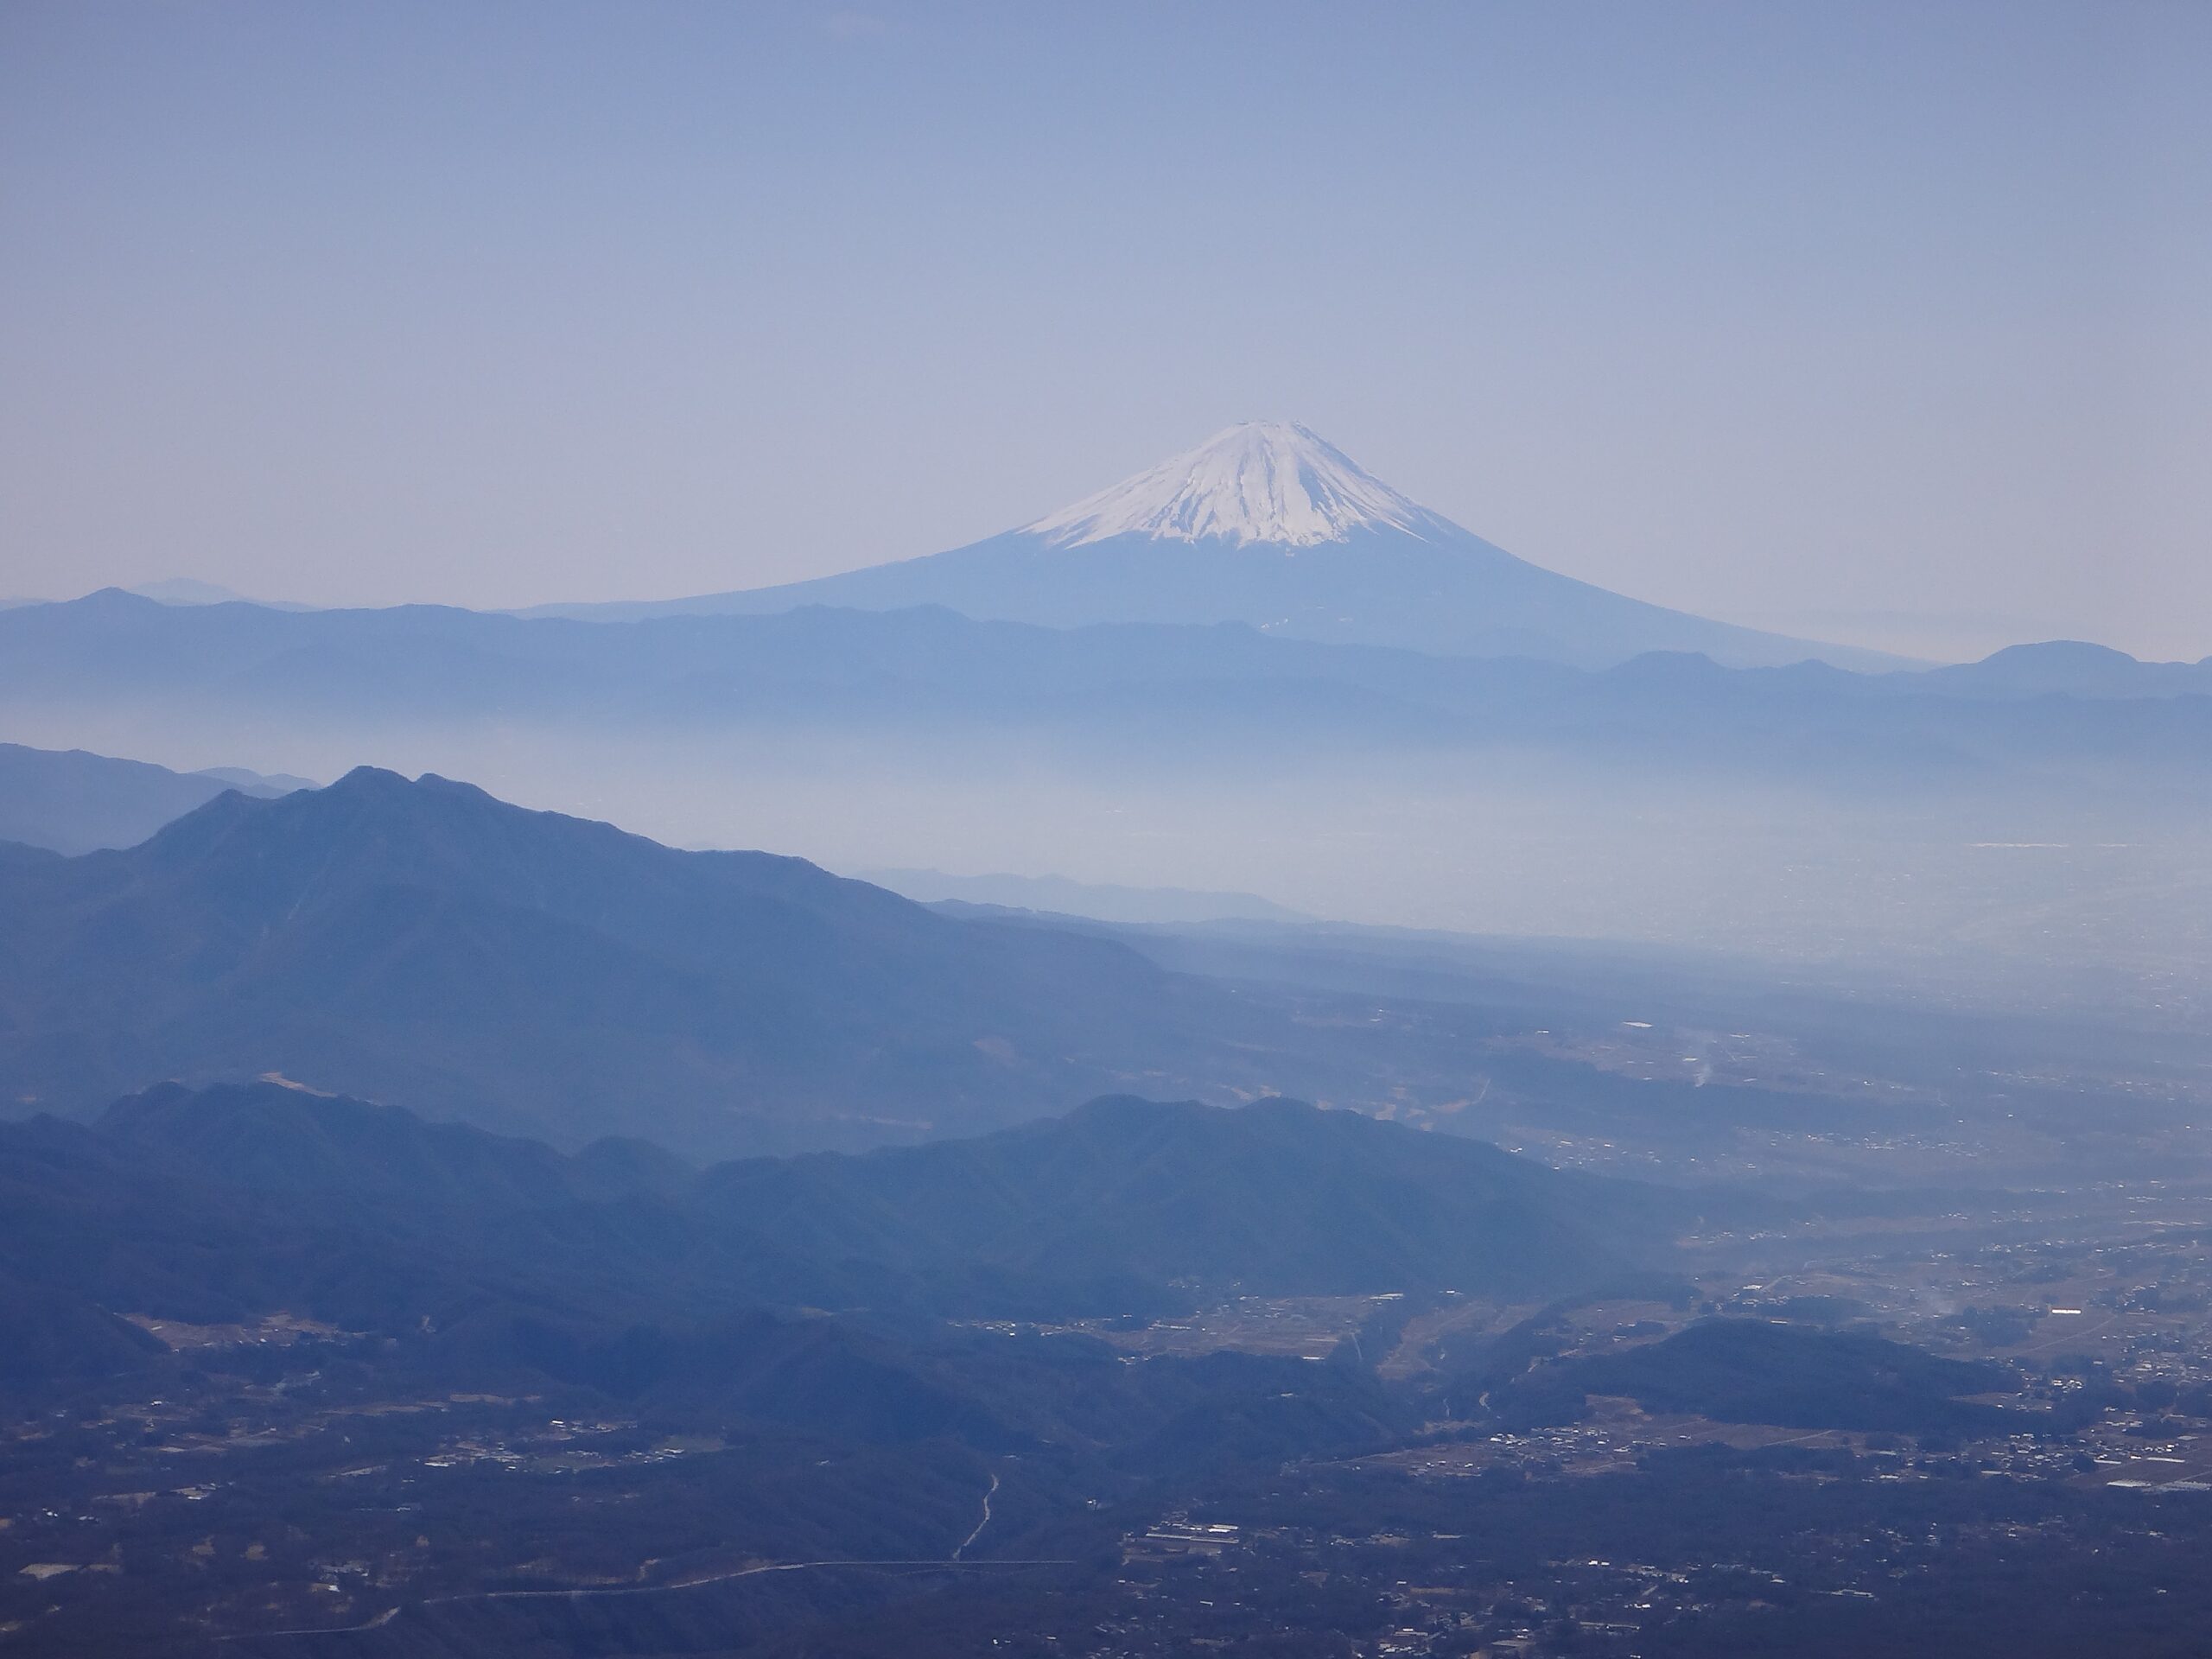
(1204, 678)
(112, 661)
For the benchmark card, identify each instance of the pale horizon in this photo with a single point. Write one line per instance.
(1888, 326)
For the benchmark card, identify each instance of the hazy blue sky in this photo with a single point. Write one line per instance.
(1887, 323)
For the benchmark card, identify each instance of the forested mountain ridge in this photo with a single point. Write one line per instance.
(425, 942)
(240, 1201)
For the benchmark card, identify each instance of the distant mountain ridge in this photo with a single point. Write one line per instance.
(190, 590)
(1270, 525)
(2071, 668)
(72, 802)
(1058, 895)
(1225, 693)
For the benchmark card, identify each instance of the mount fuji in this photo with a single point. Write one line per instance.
(1270, 525)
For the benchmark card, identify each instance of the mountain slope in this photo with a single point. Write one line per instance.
(1739, 1370)
(1274, 1198)
(541, 973)
(1270, 525)
(73, 802)
(235, 1201)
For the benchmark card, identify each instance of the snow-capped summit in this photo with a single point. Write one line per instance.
(1269, 482)
(1271, 525)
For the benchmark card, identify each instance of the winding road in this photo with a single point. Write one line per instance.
(980, 1524)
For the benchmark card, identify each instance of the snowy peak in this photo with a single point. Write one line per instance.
(1266, 481)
